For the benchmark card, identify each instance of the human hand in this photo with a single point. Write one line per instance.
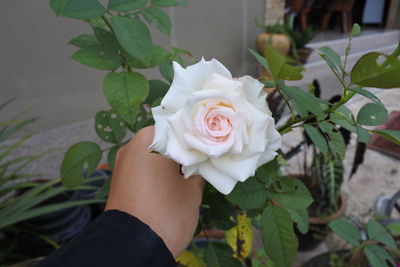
(151, 188)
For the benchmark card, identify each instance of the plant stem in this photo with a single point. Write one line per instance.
(341, 102)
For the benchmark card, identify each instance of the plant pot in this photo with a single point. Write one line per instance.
(303, 54)
(319, 228)
(277, 40)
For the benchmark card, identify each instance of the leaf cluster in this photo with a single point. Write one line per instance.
(121, 43)
(377, 247)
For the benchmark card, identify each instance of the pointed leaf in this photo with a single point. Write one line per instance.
(379, 233)
(392, 135)
(377, 256)
(298, 198)
(106, 38)
(304, 100)
(356, 30)
(249, 194)
(84, 41)
(300, 217)
(80, 158)
(159, 18)
(366, 93)
(363, 135)
(279, 66)
(125, 92)
(280, 242)
(134, 37)
(78, 9)
(98, 57)
(331, 57)
(346, 230)
(317, 138)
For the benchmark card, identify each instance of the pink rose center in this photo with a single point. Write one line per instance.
(213, 123)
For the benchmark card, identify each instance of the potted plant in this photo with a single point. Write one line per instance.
(28, 202)
(369, 245)
(275, 36)
(300, 39)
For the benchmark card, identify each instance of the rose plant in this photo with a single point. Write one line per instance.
(216, 125)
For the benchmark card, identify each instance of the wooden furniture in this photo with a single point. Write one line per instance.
(342, 6)
(301, 8)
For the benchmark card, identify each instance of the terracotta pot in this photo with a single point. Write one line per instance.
(339, 213)
(277, 40)
(304, 54)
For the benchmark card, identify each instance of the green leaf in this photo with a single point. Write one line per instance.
(366, 93)
(342, 116)
(168, 3)
(125, 92)
(392, 135)
(335, 140)
(304, 100)
(368, 72)
(78, 9)
(158, 56)
(331, 57)
(159, 18)
(260, 59)
(109, 126)
(268, 172)
(97, 57)
(126, 5)
(84, 41)
(300, 217)
(297, 199)
(134, 37)
(280, 69)
(280, 242)
(167, 71)
(356, 30)
(78, 157)
(220, 255)
(372, 114)
(363, 135)
(317, 138)
(157, 89)
(346, 230)
(106, 38)
(377, 256)
(378, 232)
(394, 228)
(58, 6)
(249, 194)
(10, 131)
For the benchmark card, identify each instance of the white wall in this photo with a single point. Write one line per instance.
(36, 69)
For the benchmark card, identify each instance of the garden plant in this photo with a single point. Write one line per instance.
(120, 42)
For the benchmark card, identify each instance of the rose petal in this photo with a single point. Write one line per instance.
(214, 150)
(160, 134)
(222, 182)
(219, 82)
(241, 170)
(190, 170)
(255, 93)
(183, 156)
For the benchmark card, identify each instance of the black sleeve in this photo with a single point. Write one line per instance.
(117, 239)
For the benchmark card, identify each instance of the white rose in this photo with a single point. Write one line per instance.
(214, 125)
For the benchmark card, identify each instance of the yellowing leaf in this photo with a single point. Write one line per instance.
(188, 259)
(240, 237)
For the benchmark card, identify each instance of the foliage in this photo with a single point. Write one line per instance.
(378, 247)
(121, 42)
(22, 193)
